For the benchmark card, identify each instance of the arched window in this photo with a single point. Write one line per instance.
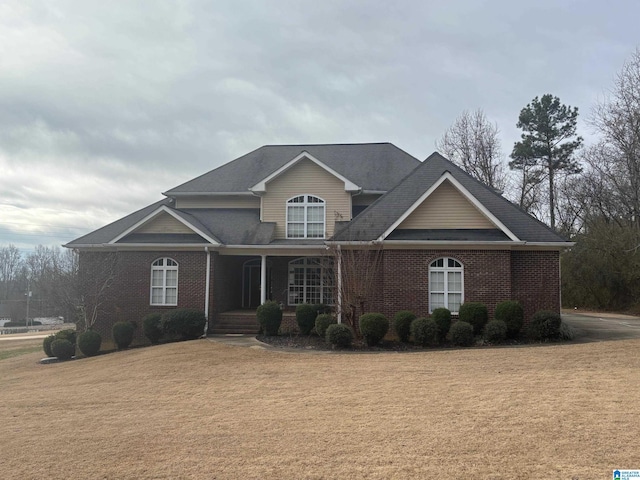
(164, 282)
(310, 281)
(305, 217)
(446, 284)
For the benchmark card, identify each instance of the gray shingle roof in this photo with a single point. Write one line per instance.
(371, 166)
(382, 214)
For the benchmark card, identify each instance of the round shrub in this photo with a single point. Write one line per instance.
(67, 334)
(495, 331)
(188, 323)
(306, 317)
(46, 345)
(321, 308)
(122, 334)
(89, 343)
(424, 331)
(512, 314)
(63, 349)
(339, 335)
(402, 324)
(373, 326)
(544, 325)
(461, 334)
(269, 317)
(152, 327)
(474, 313)
(442, 316)
(322, 323)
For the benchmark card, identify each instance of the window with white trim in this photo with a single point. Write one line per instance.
(310, 281)
(164, 282)
(305, 217)
(446, 284)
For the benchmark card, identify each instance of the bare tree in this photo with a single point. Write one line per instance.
(10, 266)
(473, 143)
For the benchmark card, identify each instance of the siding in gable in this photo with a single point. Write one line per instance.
(164, 223)
(305, 178)
(218, 202)
(446, 207)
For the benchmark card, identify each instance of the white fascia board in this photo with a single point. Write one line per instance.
(207, 194)
(261, 186)
(474, 201)
(155, 213)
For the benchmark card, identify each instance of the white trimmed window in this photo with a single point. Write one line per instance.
(446, 284)
(305, 217)
(164, 282)
(310, 281)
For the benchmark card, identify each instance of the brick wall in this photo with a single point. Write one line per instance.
(536, 280)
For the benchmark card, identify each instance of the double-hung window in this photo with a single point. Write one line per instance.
(164, 282)
(446, 284)
(305, 217)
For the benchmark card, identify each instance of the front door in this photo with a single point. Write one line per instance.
(251, 283)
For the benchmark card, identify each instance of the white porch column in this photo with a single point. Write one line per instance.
(339, 299)
(263, 279)
(206, 290)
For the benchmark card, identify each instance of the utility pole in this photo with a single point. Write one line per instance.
(28, 294)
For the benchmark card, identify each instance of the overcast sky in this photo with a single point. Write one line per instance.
(104, 105)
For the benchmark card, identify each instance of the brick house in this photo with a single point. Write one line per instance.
(267, 225)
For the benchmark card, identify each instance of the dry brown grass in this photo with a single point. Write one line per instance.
(208, 411)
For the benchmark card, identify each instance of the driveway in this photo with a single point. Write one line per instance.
(599, 326)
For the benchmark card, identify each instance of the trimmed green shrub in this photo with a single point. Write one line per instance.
(152, 327)
(67, 334)
(322, 308)
(544, 325)
(567, 332)
(474, 313)
(269, 317)
(188, 323)
(122, 333)
(442, 316)
(512, 314)
(322, 323)
(63, 349)
(461, 334)
(89, 343)
(424, 331)
(495, 331)
(339, 335)
(402, 324)
(373, 326)
(46, 345)
(306, 317)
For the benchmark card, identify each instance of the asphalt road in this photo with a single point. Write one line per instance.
(596, 327)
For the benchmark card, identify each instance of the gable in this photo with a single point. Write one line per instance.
(446, 208)
(163, 223)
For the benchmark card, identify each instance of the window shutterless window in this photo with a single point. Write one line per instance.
(446, 284)
(164, 282)
(305, 217)
(310, 281)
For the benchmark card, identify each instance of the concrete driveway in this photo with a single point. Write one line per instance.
(596, 327)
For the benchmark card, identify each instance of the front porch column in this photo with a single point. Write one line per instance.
(263, 279)
(339, 299)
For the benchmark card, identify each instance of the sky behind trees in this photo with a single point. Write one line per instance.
(104, 105)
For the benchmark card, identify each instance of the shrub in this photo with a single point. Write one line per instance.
(89, 343)
(544, 325)
(188, 323)
(567, 332)
(63, 349)
(339, 335)
(442, 316)
(512, 314)
(269, 317)
(67, 334)
(322, 308)
(474, 313)
(373, 326)
(306, 317)
(152, 327)
(46, 345)
(322, 323)
(122, 333)
(424, 331)
(495, 331)
(402, 324)
(461, 334)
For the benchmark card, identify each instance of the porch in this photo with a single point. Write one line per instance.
(245, 322)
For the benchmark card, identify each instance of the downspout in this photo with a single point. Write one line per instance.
(339, 284)
(206, 291)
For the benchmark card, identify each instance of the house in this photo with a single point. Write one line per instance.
(269, 224)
